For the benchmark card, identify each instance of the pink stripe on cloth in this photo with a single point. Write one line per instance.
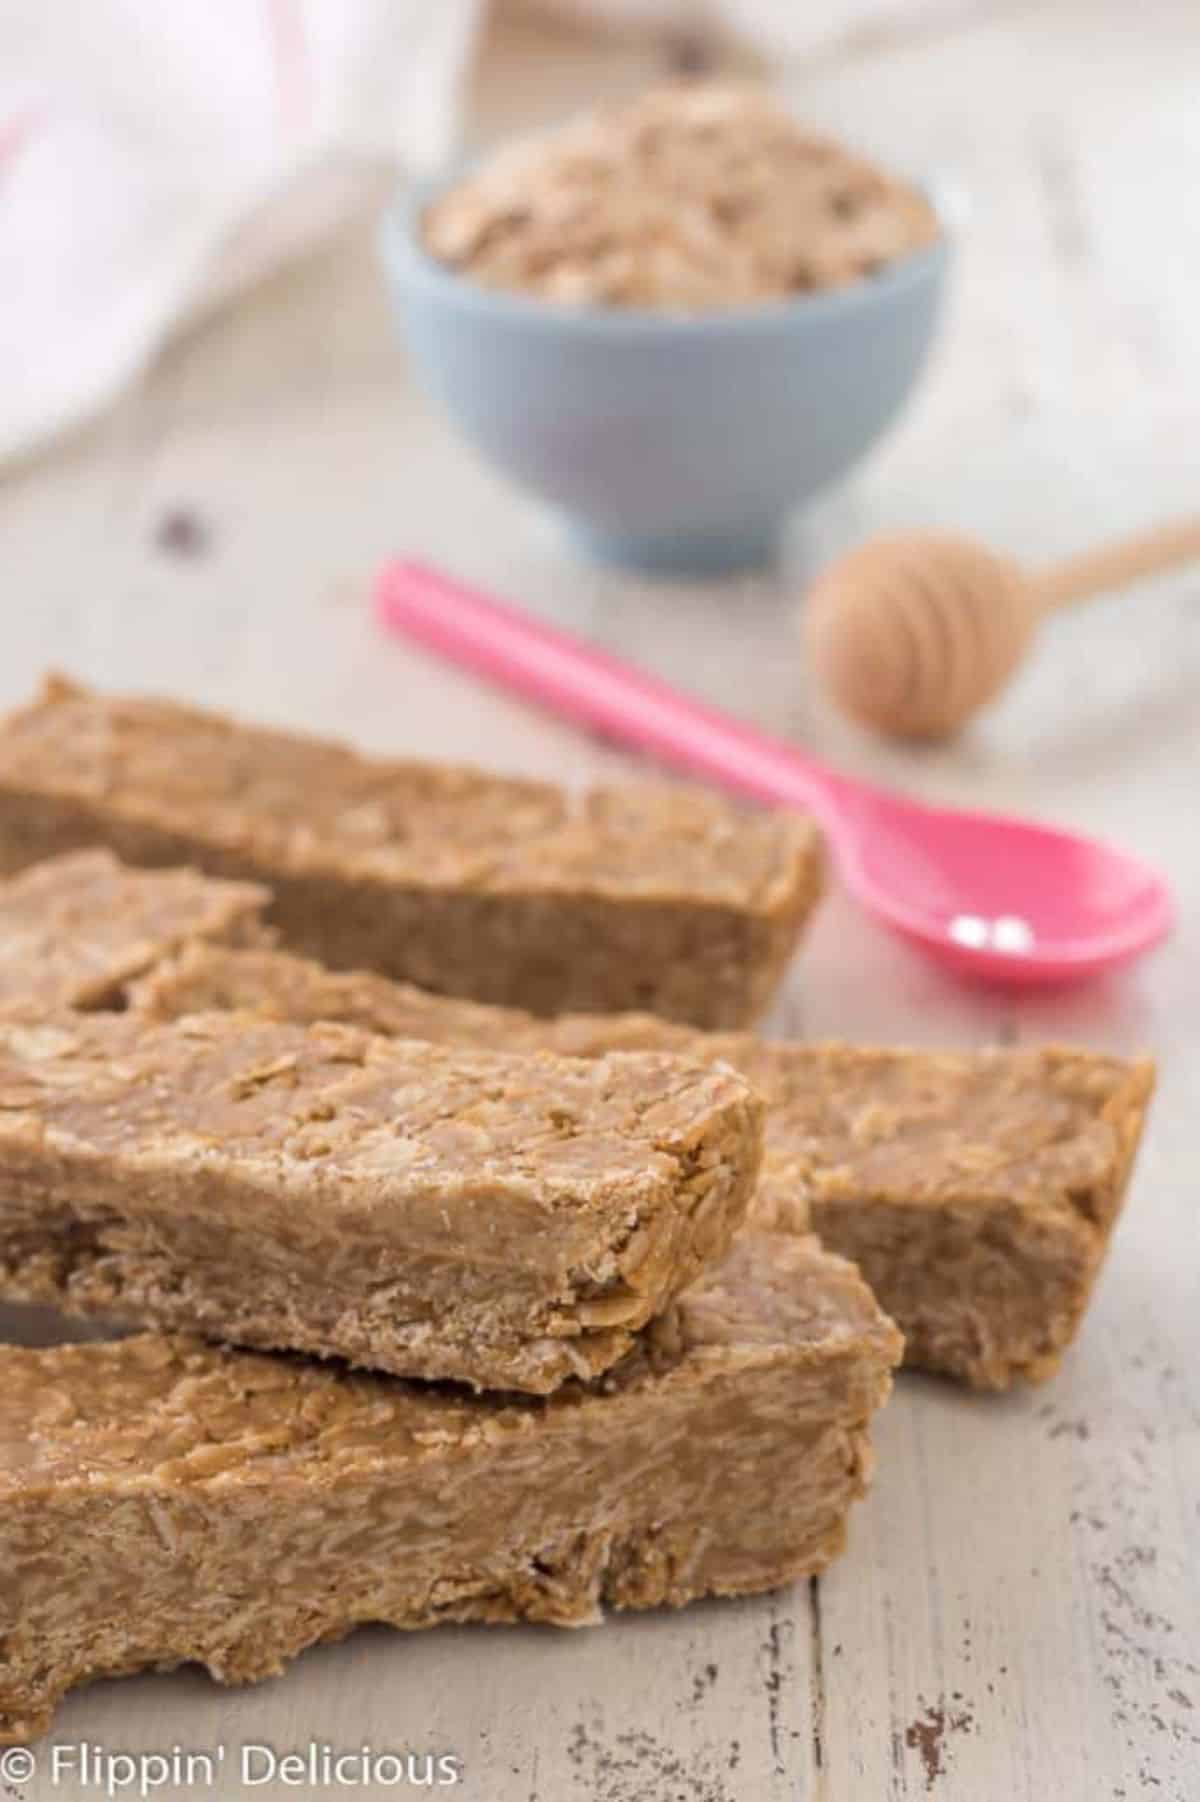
(293, 69)
(17, 129)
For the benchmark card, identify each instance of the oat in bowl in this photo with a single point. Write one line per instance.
(690, 200)
(671, 321)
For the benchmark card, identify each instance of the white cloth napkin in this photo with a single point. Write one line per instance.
(156, 156)
(153, 156)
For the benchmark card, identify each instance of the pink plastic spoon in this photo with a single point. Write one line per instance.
(995, 898)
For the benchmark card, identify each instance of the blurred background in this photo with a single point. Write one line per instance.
(155, 160)
(211, 435)
(203, 397)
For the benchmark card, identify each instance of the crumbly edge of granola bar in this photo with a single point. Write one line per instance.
(75, 930)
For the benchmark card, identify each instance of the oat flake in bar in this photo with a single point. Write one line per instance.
(437, 1212)
(976, 1190)
(507, 891)
(164, 1501)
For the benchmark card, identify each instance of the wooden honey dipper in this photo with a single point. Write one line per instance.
(913, 632)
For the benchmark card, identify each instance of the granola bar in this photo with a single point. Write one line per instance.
(977, 1191)
(163, 1501)
(503, 890)
(76, 929)
(436, 1212)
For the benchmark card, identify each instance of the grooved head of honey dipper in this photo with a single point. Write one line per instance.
(913, 632)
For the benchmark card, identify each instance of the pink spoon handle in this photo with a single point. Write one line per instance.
(585, 684)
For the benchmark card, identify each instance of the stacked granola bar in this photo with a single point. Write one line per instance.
(530, 1315)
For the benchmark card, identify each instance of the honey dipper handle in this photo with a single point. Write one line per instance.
(1118, 565)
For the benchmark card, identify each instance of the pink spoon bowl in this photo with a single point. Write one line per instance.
(1002, 900)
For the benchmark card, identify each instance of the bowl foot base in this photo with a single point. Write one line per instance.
(720, 553)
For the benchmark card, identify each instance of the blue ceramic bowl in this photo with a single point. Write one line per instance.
(667, 443)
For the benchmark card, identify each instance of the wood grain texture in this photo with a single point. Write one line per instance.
(1018, 1617)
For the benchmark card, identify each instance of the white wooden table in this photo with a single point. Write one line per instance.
(1018, 1616)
